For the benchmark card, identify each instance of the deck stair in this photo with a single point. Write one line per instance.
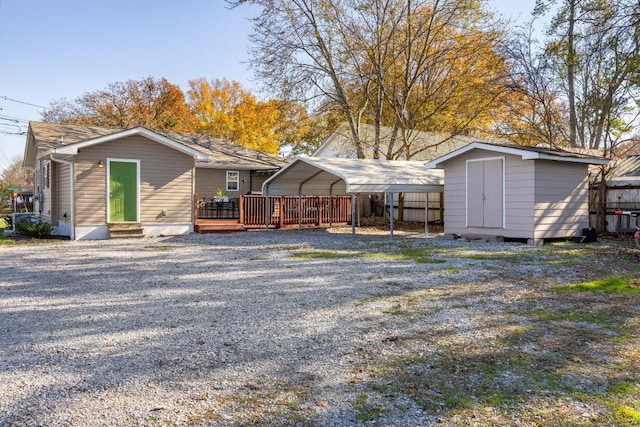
(204, 226)
(129, 230)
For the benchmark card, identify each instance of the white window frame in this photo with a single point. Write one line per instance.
(232, 181)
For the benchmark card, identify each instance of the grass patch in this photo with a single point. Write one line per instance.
(396, 310)
(160, 247)
(419, 255)
(367, 411)
(322, 255)
(453, 270)
(612, 285)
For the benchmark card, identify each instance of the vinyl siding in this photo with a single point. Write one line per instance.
(165, 181)
(63, 192)
(518, 196)
(561, 199)
(208, 180)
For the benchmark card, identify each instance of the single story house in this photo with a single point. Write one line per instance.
(515, 192)
(93, 182)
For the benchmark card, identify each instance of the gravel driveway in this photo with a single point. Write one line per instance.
(248, 328)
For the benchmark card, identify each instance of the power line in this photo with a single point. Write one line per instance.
(6, 98)
(13, 119)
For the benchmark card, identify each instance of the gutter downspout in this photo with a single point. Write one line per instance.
(72, 215)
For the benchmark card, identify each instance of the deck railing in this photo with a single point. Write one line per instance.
(217, 209)
(285, 211)
(288, 211)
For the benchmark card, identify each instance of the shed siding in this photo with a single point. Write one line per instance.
(562, 199)
(519, 196)
(166, 182)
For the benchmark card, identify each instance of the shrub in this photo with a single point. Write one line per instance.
(34, 229)
(9, 221)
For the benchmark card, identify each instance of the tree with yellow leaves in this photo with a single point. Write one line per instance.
(224, 109)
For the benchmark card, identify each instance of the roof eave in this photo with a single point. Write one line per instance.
(72, 149)
(234, 166)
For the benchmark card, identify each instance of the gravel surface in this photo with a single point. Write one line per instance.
(248, 328)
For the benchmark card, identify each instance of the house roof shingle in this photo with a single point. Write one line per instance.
(51, 135)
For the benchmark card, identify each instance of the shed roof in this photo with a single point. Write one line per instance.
(326, 176)
(526, 153)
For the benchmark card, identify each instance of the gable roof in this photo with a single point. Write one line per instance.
(431, 144)
(208, 151)
(325, 176)
(526, 153)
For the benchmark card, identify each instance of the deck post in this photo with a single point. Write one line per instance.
(391, 214)
(353, 214)
(299, 212)
(266, 208)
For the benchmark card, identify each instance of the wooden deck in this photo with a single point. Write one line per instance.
(282, 212)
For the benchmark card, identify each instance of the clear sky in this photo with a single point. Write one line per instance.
(52, 49)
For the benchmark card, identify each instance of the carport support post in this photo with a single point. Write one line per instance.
(353, 213)
(391, 215)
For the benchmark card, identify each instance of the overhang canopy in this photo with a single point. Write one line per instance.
(329, 176)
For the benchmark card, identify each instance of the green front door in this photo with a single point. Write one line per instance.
(123, 191)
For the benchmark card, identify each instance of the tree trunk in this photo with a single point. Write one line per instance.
(571, 64)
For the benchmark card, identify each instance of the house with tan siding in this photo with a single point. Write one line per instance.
(93, 182)
(515, 192)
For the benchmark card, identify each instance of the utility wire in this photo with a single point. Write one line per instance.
(6, 98)
(13, 119)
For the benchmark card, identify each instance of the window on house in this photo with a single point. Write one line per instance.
(233, 180)
(47, 176)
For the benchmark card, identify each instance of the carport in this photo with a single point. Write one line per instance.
(329, 177)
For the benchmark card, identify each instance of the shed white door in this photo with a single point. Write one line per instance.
(485, 193)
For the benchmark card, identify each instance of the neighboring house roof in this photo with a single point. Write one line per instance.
(625, 172)
(208, 151)
(526, 153)
(629, 167)
(431, 144)
(325, 176)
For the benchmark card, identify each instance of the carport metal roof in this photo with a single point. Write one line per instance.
(329, 176)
